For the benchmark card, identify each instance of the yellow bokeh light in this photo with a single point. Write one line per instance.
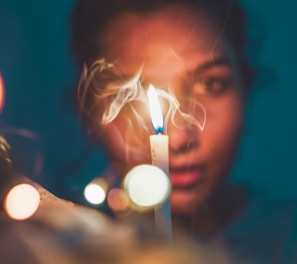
(95, 191)
(22, 201)
(147, 186)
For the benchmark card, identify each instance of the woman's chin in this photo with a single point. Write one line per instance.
(184, 202)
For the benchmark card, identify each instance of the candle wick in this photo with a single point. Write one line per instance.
(159, 131)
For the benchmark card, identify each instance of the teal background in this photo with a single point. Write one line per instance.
(36, 64)
(268, 159)
(39, 116)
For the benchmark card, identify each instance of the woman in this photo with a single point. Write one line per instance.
(195, 52)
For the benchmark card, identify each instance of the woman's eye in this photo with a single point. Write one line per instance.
(211, 86)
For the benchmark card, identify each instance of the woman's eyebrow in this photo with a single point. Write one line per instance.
(220, 61)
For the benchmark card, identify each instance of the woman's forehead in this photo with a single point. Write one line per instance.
(173, 24)
(172, 36)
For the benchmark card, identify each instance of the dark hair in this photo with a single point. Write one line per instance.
(89, 18)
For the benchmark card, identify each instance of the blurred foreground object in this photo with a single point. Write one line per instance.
(62, 232)
(56, 233)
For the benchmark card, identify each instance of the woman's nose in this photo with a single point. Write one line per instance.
(183, 137)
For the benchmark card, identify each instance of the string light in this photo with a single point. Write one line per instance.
(147, 186)
(21, 202)
(95, 191)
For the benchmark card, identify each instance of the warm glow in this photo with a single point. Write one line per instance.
(95, 191)
(155, 110)
(22, 201)
(118, 201)
(2, 93)
(147, 186)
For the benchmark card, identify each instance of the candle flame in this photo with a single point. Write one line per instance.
(155, 110)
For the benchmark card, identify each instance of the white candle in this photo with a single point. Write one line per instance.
(159, 151)
(160, 158)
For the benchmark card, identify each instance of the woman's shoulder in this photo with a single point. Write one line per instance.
(266, 231)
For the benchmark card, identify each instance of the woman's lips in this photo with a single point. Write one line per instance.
(185, 178)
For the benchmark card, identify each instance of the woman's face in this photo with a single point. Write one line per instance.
(183, 50)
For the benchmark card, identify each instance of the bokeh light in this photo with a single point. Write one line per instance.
(21, 202)
(147, 186)
(118, 201)
(2, 93)
(95, 191)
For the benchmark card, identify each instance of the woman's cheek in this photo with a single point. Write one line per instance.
(223, 124)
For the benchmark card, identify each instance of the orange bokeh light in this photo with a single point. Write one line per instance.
(2, 93)
(21, 202)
